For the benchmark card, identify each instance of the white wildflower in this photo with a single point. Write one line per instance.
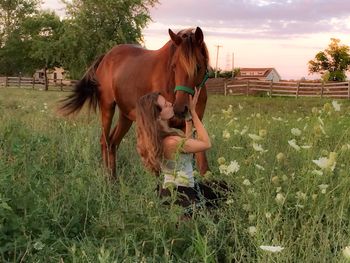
(273, 249)
(223, 168)
(346, 252)
(300, 195)
(280, 198)
(227, 112)
(252, 230)
(255, 137)
(39, 245)
(245, 129)
(345, 147)
(246, 182)
(251, 217)
(221, 160)
(226, 134)
(259, 167)
(237, 148)
(262, 133)
(336, 105)
(258, 148)
(295, 131)
(327, 163)
(277, 119)
(323, 188)
(306, 146)
(294, 144)
(240, 106)
(229, 201)
(233, 167)
(280, 157)
(317, 172)
(268, 215)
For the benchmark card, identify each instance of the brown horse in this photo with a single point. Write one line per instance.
(127, 72)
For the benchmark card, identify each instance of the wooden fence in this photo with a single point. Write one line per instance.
(219, 86)
(32, 83)
(269, 88)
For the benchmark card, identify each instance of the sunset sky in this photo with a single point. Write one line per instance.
(284, 34)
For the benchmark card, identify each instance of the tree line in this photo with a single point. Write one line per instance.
(32, 38)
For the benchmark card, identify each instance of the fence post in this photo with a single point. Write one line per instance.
(247, 90)
(33, 82)
(61, 85)
(298, 86)
(271, 83)
(225, 87)
(348, 90)
(6, 81)
(322, 88)
(19, 81)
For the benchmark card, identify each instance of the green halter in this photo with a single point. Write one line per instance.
(191, 91)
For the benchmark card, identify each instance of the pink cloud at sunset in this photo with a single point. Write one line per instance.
(283, 34)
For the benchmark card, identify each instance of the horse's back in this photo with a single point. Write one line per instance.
(126, 72)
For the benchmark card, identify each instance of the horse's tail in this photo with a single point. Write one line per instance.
(85, 89)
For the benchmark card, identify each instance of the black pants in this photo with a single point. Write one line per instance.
(202, 194)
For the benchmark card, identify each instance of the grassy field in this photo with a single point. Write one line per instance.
(287, 160)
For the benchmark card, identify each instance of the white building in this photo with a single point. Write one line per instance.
(258, 74)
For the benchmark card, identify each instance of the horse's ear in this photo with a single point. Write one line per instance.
(175, 38)
(199, 35)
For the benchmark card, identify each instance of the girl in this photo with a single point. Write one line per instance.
(168, 152)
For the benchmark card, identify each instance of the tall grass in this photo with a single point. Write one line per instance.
(57, 206)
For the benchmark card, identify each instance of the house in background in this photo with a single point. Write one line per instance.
(258, 74)
(52, 74)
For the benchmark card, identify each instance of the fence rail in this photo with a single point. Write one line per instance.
(219, 86)
(269, 88)
(24, 82)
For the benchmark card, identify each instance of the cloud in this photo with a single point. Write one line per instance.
(262, 18)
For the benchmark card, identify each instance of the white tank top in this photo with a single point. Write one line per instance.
(178, 172)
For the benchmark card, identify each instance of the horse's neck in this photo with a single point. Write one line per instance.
(164, 57)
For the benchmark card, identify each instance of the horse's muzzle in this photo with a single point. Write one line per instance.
(176, 122)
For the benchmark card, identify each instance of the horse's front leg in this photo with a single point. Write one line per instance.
(202, 162)
(201, 158)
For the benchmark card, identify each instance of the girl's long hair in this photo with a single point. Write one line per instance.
(150, 133)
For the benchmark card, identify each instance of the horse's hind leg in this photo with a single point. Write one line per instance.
(119, 131)
(107, 112)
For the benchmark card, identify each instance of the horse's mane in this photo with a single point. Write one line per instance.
(187, 55)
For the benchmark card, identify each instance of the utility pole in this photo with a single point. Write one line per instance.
(217, 56)
(233, 65)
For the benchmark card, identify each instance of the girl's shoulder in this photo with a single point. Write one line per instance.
(173, 144)
(172, 140)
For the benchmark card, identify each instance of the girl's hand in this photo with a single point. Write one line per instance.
(194, 100)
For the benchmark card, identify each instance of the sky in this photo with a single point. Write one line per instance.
(283, 34)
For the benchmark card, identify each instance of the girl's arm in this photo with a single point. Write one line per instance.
(199, 144)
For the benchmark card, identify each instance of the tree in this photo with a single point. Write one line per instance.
(34, 45)
(95, 26)
(14, 52)
(42, 33)
(333, 62)
(12, 13)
